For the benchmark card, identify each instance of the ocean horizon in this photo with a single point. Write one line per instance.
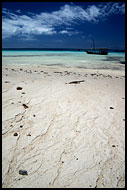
(60, 49)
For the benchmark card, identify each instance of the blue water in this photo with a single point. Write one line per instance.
(80, 59)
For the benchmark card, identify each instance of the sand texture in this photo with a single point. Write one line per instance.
(65, 127)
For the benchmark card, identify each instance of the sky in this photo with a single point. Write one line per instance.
(63, 24)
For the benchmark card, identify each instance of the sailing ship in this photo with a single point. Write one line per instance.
(100, 51)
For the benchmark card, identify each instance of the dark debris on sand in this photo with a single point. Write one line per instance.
(25, 106)
(75, 82)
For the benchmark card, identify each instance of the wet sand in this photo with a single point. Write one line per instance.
(62, 127)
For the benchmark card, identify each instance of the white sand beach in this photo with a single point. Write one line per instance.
(64, 126)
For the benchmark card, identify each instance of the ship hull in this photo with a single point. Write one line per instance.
(98, 53)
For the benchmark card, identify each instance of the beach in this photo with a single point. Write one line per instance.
(63, 127)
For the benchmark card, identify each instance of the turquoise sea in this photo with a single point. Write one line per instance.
(80, 59)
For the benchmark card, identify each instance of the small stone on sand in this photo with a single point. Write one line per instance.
(29, 134)
(19, 88)
(23, 172)
(15, 134)
(111, 108)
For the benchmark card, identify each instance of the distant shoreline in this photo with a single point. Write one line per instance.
(57, 49)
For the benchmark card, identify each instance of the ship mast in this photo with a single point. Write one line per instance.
(93, 44)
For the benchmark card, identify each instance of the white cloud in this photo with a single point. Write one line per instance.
(18, 11)
(68, 32)
(64, 32)
(48, 23)
(112, 8)
(93, 12)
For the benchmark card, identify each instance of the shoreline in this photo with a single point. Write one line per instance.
(64, 126)
(64, 68)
